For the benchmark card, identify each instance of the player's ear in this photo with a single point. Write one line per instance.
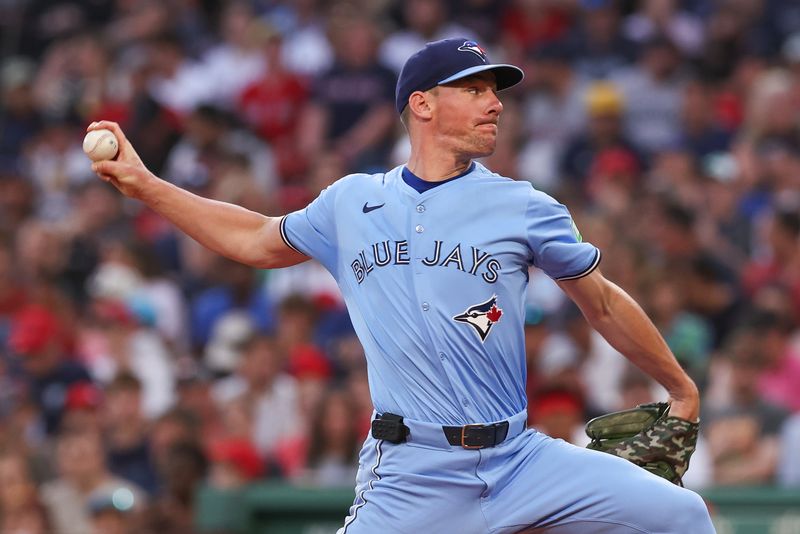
(419, 104)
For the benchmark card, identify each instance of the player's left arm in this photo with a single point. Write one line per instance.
(623, 323)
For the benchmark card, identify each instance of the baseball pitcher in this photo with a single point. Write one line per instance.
(432, 258)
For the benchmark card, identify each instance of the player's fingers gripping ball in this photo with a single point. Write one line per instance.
(647, 436)
(100, 145)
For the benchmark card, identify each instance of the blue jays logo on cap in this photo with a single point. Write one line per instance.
(475, 48)
(481, 317)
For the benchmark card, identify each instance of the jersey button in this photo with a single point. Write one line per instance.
(465, 401)
(426, 306)
(420, 208)
(442, 356)
(419, 229)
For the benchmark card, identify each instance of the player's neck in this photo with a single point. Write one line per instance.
(436, 168)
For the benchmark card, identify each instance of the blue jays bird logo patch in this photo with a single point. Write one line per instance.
(481, 317)
(475, 48)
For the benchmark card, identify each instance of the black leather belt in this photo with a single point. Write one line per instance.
(476, 436)
(390, 427)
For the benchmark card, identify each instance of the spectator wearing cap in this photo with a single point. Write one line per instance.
(83, 407)
(605, 107)
(559, 413)
(234, 463)
(38, 337)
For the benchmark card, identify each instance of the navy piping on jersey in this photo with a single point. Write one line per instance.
(285, 237)
(420, 185)
(362, 495)
(587, 271)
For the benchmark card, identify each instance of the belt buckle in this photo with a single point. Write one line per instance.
(464, 436)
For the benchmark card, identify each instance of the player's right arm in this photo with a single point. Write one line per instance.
(227, 229)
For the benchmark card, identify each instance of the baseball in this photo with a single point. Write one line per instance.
(100, 145)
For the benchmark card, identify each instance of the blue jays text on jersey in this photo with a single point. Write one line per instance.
(391, 252)
(434, 282)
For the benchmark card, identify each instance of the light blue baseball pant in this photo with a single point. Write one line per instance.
(528, 483)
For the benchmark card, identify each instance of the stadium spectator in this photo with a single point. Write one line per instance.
(553, 113)
(351, 109)
(605, 108)
(743, 431)
(38, 337)
(21, 509)
(423, 21)
(665, 17)
(598, 46)
(125, 432)
(333, 443)
(272, 103)
(82, 478)
(652, 92)
(266, 389)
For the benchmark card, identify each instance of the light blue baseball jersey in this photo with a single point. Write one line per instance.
(435, 283)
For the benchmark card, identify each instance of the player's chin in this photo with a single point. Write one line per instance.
(486, 148)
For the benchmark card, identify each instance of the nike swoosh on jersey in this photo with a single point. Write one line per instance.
(367, 209)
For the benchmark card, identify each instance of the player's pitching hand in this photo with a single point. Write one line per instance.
(126, 172)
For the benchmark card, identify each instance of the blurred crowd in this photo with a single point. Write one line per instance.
(137, 367)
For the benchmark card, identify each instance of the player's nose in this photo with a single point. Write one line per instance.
(495, 106)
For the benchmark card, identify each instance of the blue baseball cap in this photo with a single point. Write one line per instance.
(448, 60)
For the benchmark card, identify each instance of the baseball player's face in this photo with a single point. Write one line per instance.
(466, 114)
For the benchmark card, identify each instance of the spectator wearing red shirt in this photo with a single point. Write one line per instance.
(272, 104)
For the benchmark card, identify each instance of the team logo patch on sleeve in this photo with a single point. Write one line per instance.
(481, 317)
(475, 48)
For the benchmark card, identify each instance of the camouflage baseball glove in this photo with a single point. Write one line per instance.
(647, 436)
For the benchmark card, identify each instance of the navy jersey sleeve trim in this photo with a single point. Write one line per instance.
(286, 238)
(587, 271)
